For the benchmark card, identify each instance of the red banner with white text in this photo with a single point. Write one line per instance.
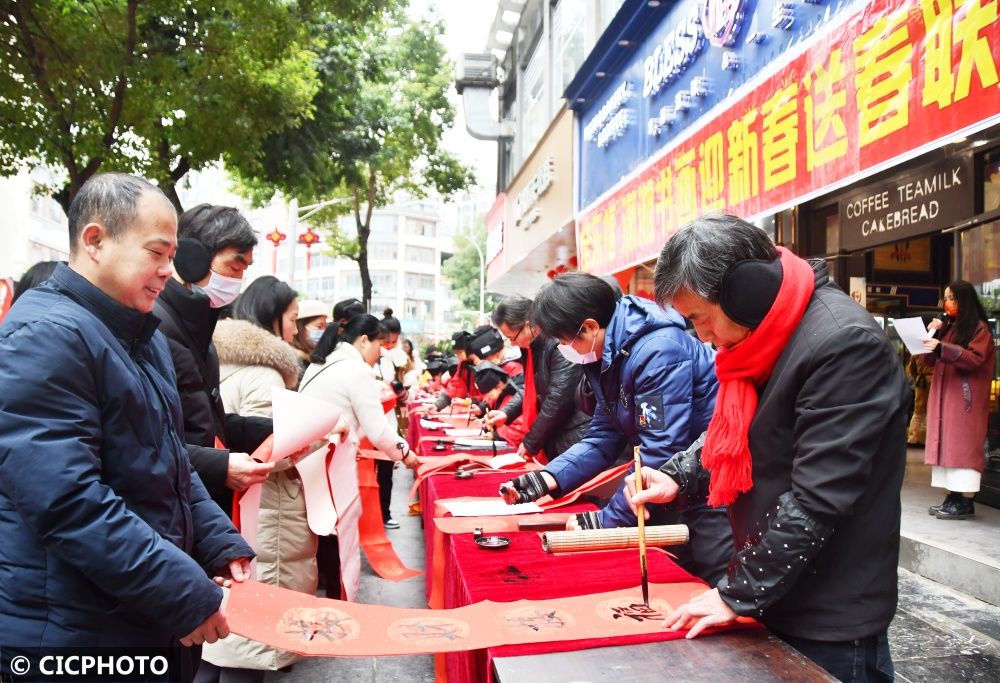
(896, 76)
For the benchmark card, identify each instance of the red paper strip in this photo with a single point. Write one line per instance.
(316, 627)
(378, 549)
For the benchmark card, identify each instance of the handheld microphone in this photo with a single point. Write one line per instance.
(946, 321)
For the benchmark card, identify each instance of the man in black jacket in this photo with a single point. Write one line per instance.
(807, 446)
(215, 247)
(555, 422)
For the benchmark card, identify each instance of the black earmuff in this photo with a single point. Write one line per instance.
(192, 261)
(748, 290)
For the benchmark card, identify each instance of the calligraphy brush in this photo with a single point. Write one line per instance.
(641, 512)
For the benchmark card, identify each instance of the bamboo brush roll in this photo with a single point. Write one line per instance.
(612, 539)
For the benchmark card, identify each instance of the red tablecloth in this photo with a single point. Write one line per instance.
(423, 440)
(525, 571)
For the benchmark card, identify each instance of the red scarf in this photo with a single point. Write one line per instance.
(529, 409)
(741, 370)
(530, 402)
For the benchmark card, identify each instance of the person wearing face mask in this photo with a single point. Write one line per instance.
(958, 407)
(215, 247)
(548, 407)
(309, 327)
(655, 388)
(389, 369)
(341, 373)
(256, 357)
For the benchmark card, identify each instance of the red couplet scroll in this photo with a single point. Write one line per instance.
(321, 627)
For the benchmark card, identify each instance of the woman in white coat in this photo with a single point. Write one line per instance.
(256, 357)
(341, 374)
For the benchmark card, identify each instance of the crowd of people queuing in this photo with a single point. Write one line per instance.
(137, 380)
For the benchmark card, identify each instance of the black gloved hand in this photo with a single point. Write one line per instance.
(589, 520)
(530, 486)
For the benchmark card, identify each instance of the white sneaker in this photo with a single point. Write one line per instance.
(391, 524)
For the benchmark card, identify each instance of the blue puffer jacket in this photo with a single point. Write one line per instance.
(107, 534)
(655, 387)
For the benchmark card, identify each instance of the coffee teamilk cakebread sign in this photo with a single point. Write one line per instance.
(920, 201)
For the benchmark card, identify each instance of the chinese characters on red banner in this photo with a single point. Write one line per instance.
(896, 75)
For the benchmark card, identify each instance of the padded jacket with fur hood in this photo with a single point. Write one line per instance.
(252, 362)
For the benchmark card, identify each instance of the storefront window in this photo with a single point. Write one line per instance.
(535, 111)
(609, 8)
(981, 257)
(567, 27)
(991, 182)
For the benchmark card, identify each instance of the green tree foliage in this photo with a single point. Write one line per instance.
(155, 88)
(463, 271)
(375, 130)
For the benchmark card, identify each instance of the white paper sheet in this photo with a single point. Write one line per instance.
(431, 424)
(507, 460)
(299, 420)
(488, 508)
(458, 431)
(481, 444)
(913, 333)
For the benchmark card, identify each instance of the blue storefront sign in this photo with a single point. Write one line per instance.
(659, 71)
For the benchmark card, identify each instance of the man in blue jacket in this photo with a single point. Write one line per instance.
(655, 388)
(109, 539)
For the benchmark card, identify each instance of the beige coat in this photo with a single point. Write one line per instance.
(252, 362)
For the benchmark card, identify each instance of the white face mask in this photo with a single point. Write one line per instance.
(315, 335)
(222, 290)
(574, 356)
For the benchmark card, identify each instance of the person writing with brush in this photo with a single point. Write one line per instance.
(806, 447)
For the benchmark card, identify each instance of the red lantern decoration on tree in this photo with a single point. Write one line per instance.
(275, 237)
(309, 238)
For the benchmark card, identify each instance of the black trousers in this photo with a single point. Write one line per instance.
(710, 547)
(328, 559)
(383, 472)
(865, 660)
